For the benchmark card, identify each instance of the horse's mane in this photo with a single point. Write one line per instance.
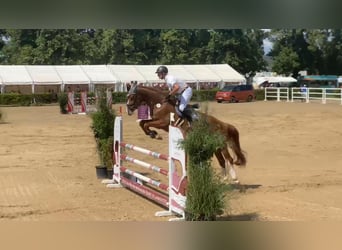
(153, 89)
(152, 94)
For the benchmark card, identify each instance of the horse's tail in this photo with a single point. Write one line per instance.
(234, 143)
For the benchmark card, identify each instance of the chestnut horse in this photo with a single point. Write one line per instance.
(160, 112)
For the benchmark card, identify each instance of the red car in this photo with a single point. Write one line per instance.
(235, 93)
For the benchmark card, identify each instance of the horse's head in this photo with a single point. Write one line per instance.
(132, 99)
(139, 95)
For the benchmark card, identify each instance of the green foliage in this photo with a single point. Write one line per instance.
(103, 118)
(286, 62)
(205, 193)
(201, 143)
(319, 50)
(105, 149)
(119, 97)
(16, 99)
(204, 95)
(63, 102)
(25, 99)
(103, 129)
(259, 94)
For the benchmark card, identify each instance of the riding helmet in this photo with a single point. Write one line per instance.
(162, 69)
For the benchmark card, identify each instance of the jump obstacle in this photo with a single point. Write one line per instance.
(172, 195)
(84, 104)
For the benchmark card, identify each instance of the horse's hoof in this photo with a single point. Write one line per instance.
(235, 181)
(153, 134)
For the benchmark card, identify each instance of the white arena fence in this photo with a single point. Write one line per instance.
(276, 93)
(311, 94)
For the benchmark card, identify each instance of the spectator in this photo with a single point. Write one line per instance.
(303, 91)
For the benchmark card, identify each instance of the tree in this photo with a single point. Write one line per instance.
(286, 62)
(63, 47)
(174, 46)
(242, 49)
(20, 46)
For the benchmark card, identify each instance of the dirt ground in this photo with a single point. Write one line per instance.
(294, 169)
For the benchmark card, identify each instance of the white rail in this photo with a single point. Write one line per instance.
(309, 94)
(277, 93)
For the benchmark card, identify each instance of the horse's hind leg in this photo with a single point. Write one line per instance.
(229, 162)
(221, 161)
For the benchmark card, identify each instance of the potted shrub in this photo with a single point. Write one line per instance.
(105, 150)
(103, 126)
(63, 102)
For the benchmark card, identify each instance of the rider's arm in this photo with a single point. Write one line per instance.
(175, 89)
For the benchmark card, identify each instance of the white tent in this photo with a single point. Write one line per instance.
(148, 72)
(181, 72)
(99, 75)
(339, 79)
(126, 74)
(227, 73)
(13, 76)
(44, 74)
(1, 86)
(202, 73)
(73, 75)
(45, 78)
(85, 77)
(272, 79)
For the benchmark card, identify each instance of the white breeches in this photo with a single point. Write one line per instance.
(184, 99)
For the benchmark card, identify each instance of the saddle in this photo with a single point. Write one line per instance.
(189, 113)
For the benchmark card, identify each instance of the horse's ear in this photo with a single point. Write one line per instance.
(133, 89)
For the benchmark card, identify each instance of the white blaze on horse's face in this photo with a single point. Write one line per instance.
(131, 100)
(130, 104)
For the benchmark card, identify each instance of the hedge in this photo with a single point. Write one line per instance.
(118, 97)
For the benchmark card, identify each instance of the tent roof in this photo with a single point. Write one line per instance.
(273, 79)
(111, 74)
(99, 74)
(202, 73)
(339, 79)
(44, 74)
(148, 72)
(226, 73)
(72, 74)
(15, 75)
(126, 73)
(181, 72)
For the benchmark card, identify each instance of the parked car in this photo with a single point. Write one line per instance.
(235, 93)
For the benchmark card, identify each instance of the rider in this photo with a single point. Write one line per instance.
(177, 86)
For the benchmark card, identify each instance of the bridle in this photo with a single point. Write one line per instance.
(132, 99)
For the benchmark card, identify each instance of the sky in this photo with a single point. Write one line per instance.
(267, 45)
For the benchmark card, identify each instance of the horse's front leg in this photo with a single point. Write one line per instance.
(159, 124)
(142, 125)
